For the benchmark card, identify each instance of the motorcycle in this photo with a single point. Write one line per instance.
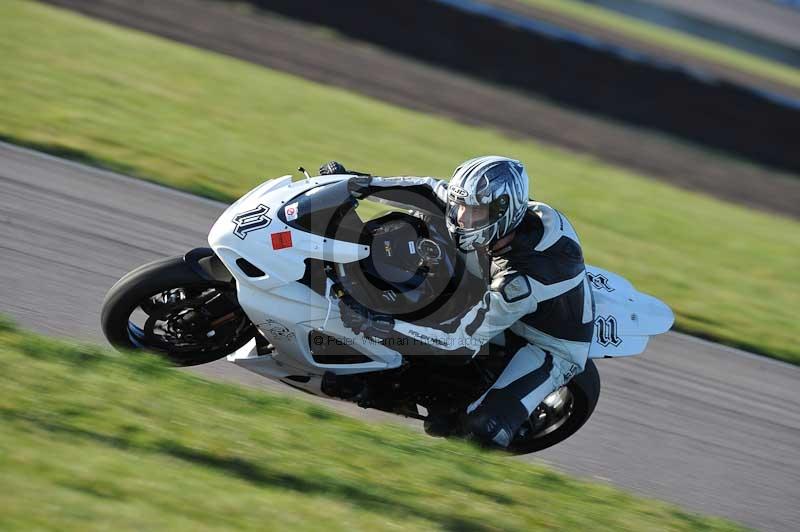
(265, 294)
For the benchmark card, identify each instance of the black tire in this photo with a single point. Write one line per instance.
(585, 390)
(154, 278)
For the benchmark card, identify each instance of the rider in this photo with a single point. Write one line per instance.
(537, 292)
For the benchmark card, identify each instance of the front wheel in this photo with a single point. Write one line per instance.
(561, 414)
(167, 308)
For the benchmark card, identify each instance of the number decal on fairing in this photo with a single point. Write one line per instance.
(600, 282)
(251, 220)
(606, 328)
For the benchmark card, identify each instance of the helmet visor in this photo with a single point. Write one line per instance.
(469, 217)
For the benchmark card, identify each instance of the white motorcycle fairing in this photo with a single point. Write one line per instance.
(285, 311)
(254, 232)
(625, 319)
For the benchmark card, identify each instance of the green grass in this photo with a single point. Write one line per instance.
(217, 126)
(91, 440)
(672, 40)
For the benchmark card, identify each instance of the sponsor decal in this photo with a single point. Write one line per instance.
(600, 282)
(571, 372)
(606, 329)
(457, 191)
(281, 240)
(276, 330)
(252, 220)
(425, 338)
(389, 295)
(412, 248)
(516, 289)
(290, 212)
(387, 248)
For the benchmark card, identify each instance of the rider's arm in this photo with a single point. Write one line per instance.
(508, 299)
(399, 188)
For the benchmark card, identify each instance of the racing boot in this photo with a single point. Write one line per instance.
(441, 424)
(495, 427)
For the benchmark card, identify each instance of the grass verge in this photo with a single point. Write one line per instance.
(217, 126)
(671, 40)
(91, 440)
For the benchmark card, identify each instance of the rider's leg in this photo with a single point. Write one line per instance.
(531, 375)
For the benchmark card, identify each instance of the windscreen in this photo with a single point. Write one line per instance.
(326, 210)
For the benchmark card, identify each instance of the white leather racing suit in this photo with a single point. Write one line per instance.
(538, 291)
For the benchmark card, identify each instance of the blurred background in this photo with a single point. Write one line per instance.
(666, 130)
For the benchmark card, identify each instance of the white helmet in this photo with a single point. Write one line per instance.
(486, 200)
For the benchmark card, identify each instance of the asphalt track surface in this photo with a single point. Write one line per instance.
(765, 18)
(713, 429)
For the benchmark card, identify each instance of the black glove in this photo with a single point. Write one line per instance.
(357, 185)
(361, 320)
(332, 168)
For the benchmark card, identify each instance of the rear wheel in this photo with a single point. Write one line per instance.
(561, 414)
(167, 308)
